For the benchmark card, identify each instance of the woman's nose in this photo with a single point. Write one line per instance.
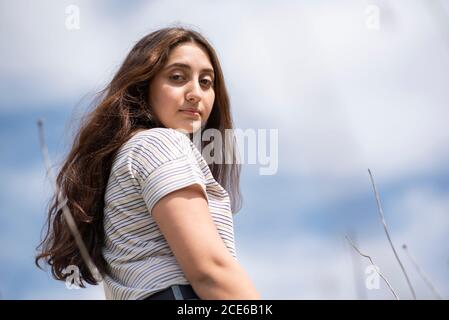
(193, 92)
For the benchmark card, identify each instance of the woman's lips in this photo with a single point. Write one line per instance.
(191, 113)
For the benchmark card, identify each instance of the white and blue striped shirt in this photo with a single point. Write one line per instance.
(148, 166)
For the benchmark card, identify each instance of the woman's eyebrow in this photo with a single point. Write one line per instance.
(186, 66)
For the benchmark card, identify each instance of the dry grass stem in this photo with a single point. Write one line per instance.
(382, 217)
(372, 262)
(66, 211)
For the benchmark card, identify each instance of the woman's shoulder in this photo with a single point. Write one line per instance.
(157, 149)
(162, 143)
(161, 135)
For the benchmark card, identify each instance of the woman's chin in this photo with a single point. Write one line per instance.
(189, 126)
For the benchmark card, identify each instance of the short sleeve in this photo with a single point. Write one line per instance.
(165, 162)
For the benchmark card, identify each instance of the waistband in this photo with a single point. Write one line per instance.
(175, 292)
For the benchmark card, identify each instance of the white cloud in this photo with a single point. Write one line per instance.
(343, 96)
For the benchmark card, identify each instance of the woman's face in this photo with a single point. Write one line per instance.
(184, 83)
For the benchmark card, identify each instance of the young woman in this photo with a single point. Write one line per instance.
(156, 218)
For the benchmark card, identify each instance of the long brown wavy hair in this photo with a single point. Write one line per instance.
(121, 109)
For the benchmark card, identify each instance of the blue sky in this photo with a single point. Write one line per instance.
(343, 95)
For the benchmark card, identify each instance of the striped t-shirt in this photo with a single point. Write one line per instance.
(150, 165)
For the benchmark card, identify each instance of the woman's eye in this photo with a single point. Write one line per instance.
(207, 82)
(179, 78)
(176, 77)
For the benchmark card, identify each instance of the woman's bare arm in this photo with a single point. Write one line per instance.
(184, 219)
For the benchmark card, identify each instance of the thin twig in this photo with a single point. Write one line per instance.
(388, 235)
(361, 295)
(66, 211)
(372, 262)
(422, 274)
